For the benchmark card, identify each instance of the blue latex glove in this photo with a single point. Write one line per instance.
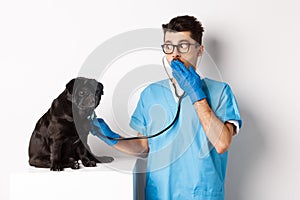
(188, 80)
(99, 125)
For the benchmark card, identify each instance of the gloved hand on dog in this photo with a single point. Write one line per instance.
(188, 80)
(99, 126)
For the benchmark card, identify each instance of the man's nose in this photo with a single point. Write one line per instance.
(175, 53)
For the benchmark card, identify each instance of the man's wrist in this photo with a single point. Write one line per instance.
(202, 105)
(197, 95)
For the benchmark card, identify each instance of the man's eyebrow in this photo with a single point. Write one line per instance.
(183, 41)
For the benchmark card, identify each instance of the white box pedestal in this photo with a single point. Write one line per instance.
(106, 181)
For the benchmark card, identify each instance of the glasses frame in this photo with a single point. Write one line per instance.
(173, 45)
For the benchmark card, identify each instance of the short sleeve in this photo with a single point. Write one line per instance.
(138, 121)
(228, 108)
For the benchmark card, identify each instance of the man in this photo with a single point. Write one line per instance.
(189, 160)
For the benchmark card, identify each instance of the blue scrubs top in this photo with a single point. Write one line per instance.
(182, 163)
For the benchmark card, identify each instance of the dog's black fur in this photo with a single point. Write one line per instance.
(58, 139)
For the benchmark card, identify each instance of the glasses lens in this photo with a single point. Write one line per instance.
(168, 48)
(183, 47)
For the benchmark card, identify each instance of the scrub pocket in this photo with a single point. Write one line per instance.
(210, 185)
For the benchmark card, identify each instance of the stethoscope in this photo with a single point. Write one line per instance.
(180, 97)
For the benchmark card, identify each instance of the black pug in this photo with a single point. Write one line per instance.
(59, 139)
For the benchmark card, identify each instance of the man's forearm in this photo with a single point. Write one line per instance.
(137, 147)
(218, 133)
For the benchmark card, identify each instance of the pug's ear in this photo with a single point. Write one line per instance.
(70, 86)
(102, 89)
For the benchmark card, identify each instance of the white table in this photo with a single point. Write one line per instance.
(106, 181)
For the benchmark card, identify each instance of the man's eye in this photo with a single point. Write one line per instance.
(169, 46)
(183, 45)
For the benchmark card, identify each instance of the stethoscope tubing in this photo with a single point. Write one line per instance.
(163, 130)
(152, 135)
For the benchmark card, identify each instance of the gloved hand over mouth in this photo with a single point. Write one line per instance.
(188, 80)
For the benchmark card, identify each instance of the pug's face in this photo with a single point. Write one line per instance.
(86, 93)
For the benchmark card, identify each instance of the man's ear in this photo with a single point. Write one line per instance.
(201, 50)
(70, 85)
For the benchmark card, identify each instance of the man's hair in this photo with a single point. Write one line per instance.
(185, 23)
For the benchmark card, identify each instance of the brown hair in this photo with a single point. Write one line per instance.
(185, 23)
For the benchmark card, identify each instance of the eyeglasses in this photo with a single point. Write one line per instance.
(183, 47)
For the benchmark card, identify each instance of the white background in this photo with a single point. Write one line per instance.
(255, 44)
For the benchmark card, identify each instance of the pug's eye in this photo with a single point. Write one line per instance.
(81, 93)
